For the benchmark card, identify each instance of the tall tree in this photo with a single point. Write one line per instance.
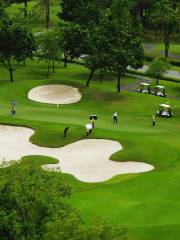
(158, 68)
(82, 12)
(16, 44)
(165, 17)
(49, 48)
(25, 2)
(3, 5)
(114, 46)
(72, 39)
(45, 4)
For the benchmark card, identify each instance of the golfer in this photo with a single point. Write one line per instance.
(115, 118)
(89, 128)
(66, 132)
(13, 110)
(153, 120)
(92, 119)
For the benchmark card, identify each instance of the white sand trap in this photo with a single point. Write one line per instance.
(88, 160)
(55, 94)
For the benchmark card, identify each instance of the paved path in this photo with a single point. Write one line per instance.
(132, 87)
(169, 73)
(151, 48)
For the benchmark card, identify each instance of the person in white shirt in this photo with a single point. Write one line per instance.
(115, 118)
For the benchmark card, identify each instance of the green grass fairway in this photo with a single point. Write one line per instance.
(148, 203)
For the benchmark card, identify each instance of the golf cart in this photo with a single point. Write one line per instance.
(144, 88)
(159, 91)
(164, 111)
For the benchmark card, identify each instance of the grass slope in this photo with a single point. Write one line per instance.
(148, 203)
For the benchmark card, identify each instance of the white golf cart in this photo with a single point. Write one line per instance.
(159, 91)
(144, 88)
(164, 111)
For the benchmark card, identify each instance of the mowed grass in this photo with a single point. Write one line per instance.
(148, 203)
(157, 49)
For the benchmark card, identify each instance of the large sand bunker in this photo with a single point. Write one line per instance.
(88, 160)
(55, 94)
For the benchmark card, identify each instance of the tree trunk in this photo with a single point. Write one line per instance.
(53, 65)
(156, 31)
(65, 60)
(166, 42)
(157, 81)
(11, 75)
(47, 15)
(119, 83)
(90, 77)
(25, 8)
(101, 75)
(10, 69)
(49, 61)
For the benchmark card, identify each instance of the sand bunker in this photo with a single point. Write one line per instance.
(88, 160)
(55, 94)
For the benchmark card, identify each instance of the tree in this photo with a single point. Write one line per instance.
(72, 39)
(34, 207)
(25, 6)
(49, 48)
(16, 44)
(127, 51)
(157, 68)
(46, 5)
(97, 57)
(163, 16)
(3, 14)
(114, 46)
(82, 12)
(30, 198)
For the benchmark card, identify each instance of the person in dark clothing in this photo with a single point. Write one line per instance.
(66, 132)
(153, 120)
(13, 110)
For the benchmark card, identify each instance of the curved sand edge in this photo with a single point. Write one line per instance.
(88, 160)
(55, 94)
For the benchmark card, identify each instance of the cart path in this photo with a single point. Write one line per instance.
(132, 87)
(169, 73)
(149, 47)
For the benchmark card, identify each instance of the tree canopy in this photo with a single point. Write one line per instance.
(16, 44)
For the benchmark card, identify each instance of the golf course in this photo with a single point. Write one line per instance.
(126, 173)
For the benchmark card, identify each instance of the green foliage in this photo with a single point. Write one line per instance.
(49, 47)
(163, 16)
(17, 44)
(73, 40)
(113, 45)
(83, 12)
(157, 68)
(28, 203)
(33, 206)
(45, 4)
